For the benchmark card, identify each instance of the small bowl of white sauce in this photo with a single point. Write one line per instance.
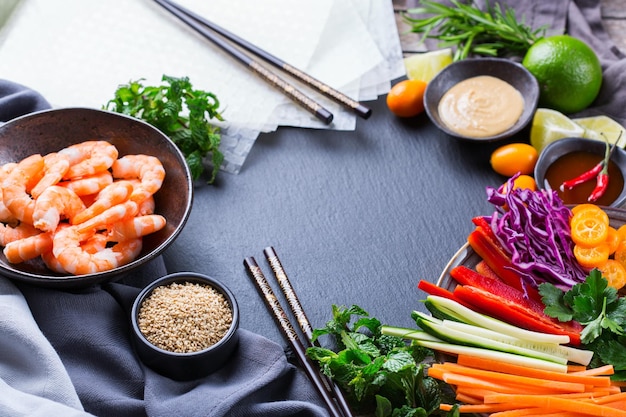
(482, 99)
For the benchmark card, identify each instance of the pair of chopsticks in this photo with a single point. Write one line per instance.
(211, 31)
(328, 390)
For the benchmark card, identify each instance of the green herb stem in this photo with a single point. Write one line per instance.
(493, 32)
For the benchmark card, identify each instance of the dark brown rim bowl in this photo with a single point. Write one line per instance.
(506, 70)
(52, 130)
(186, 366)
(561, 147)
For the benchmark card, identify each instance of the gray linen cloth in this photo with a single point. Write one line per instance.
(69, 353)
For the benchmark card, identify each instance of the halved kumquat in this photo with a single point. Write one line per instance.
(620, 253)
(614, 272)
(592, 257)
(588, 230)
(612, 239)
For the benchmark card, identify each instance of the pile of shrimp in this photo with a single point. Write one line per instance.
(82, 209)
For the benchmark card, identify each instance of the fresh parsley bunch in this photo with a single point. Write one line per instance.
(180, 112)
(601, 310)
(376, 371)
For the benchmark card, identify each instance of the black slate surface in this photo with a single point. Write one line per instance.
(356, 217)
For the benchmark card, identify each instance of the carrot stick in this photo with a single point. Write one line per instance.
(464, 380)
(474, 392)
(522, 412)
(467, 399)
(609, 398)
(435, 373)
(500, 377)
(556, 404)
(576, 368)
(479, 408)
(601, 370)
(491, 364)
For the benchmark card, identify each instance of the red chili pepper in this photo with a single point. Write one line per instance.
(602, 182)
(600, 172)
(584, 177)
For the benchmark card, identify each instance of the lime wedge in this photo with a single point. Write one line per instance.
(424, 66)
(549, 125)
(603, 128)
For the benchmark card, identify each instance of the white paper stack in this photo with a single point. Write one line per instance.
(77, 52)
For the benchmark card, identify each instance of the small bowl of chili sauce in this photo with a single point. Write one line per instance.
(568, 158)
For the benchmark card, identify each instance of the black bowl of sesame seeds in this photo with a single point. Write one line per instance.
(185, 325)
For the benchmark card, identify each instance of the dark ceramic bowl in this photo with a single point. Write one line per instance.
(53, 130)
(504, 69)
(557, 149)
(186, 366)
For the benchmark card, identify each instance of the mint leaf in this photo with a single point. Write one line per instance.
(378, 373)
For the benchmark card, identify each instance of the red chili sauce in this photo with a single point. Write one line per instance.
(572, 165)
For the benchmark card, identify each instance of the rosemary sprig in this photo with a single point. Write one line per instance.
(493, 32)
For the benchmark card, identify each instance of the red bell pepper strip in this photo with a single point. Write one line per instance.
(515, 314)
(484, 269)
(499, 261)
(467, 276)
(433, 289)
(482, 223)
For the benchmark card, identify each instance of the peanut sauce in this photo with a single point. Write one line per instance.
(481, 106)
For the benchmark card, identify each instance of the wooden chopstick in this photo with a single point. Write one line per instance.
(323, 88)
(301, 318)
(285, 325)
(285, 87)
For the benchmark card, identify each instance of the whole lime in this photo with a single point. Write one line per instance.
(568, 72)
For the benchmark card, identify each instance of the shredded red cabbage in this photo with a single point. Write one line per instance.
(534, 228)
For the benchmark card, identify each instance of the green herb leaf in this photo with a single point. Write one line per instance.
(493, 32)
(553, 298)
(598, 307)
(375, 371)
(181, 112)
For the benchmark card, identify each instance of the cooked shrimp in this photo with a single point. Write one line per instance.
(21, 231)
(72, 258)
(135, 227)
(54, 204)
(5, 170)
(114, 193)
(94, 244)
(109, 216)
(5, 214)
(89, 158)
(28, 248)
(55, 165)
(52, 263)
(148, 169)
(89, 185)
(15, 187)
(147, 206)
